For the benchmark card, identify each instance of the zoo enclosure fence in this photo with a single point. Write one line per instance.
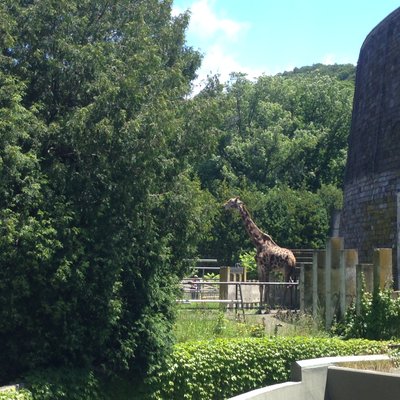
(239, 295)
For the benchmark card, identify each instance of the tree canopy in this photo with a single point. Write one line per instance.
(281, 143)
(98, 213)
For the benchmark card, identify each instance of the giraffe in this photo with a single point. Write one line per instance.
(268, 254)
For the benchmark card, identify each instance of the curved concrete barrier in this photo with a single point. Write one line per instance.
(321, 379)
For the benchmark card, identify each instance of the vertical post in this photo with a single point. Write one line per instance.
(244, 274)
(333, 248)
(367, 271)
(302, 291)
(224, 276)
(307, 286)
(321, 256)
(382, 261)
(351, 260)
(358, 288)
(328, 285)
(376, 271)
(342, 283)
(315, 285)
(397, 278)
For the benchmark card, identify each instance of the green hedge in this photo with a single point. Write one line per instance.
(58, 384)
(16, 395)
(222, 368)
(203, 370)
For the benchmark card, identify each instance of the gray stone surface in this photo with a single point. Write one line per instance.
(372, 179)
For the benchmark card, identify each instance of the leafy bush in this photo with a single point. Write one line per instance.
(222, 368)
(58, 384)
(379, 317)
(13, 394)
(98, 205)
(248, 261)
(71, 384)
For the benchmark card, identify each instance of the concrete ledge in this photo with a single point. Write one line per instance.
(319, 379)
(354, 384)
(281, 391)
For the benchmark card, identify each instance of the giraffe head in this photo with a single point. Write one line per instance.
(234, 202)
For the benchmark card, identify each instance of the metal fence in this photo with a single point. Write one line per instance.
(244, 295)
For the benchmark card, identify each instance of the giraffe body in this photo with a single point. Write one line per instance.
(269, 255)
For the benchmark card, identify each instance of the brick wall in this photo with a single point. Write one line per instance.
(372, 180)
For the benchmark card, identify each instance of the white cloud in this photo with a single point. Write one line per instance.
(218, 61)
(329, 59)
(205, 23)
(176, 11)
(218, 37)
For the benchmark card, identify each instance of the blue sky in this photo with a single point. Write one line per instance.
(271, 36)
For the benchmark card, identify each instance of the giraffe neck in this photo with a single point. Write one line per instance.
(258, 237)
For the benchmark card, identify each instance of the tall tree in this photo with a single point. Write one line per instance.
(89, 281)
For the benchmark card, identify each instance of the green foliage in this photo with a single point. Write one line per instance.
(52, 384)
(110, 176)
(211, 276)
(294, 218)
(98, 203)
(222, 368)
(207, 323)
(340, 71)
(12, 394)
(248, 261)
(280, 143)
(64, 384)
(378, 319)
(297, 218)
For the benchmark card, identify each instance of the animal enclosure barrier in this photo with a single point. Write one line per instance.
(335, 279)
(279, 294)
(237, 294)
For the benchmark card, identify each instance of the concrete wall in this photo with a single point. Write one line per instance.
(319, 379)
(353, 384)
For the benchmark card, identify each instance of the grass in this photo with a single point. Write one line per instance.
(379, 366)
(210, 323)
(200, 324)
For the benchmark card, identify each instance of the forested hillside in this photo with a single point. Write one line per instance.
(280, 143)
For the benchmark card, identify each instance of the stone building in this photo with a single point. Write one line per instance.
(371, 213)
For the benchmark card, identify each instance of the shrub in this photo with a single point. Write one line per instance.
(58, 384)
(379, 318)
(64, 383)
(13, 394)
(222, 368)
(248, 261)
(97, 211)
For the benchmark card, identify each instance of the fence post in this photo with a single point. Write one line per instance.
(364, 275)
(224, 276)
(307, 279)
(333, 248)
(302, 288)
(321, 257)
(347, 278)
(359, 284)
(351, 260)
(315, 285)
(382, 261)
(342, 283)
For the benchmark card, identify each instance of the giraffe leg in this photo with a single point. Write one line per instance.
(266, 289)
(261, 278)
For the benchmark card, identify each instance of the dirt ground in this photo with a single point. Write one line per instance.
(281, 322)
